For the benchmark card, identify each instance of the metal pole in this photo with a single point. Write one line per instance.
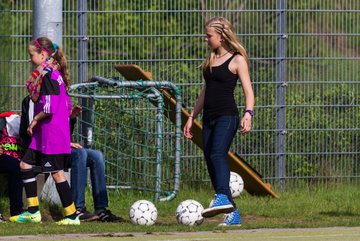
(159, 140)
(47, 20)
(82, 41)
(280, 91)
(87, 118)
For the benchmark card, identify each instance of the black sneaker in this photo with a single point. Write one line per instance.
(2, 219)
(106, 216)
(85, 215)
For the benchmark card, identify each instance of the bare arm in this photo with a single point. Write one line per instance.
(243, 72)
(37, 118)
(199, 103)
(197, 109)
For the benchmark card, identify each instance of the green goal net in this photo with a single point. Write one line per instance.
(125, 120)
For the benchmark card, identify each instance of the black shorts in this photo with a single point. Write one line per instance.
(48, 163)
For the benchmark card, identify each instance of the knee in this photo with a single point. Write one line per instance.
(96, 158)
(78, 155)
(80, 152)
(24, 165)
(100, 158)
(58, 176)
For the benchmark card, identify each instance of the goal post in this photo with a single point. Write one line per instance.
(125, 121)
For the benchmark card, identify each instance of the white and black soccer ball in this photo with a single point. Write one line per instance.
(236, 184)
(143, 212)
(189, 213)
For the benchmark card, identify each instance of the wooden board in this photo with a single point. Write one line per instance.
(252, 181)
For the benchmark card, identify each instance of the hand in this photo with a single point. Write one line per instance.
(31, 126)
(1, 150)
(245, 123)
(76, 111)
(75, 145)
(187, 128)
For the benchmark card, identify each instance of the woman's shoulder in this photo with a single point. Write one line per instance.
(238, 57)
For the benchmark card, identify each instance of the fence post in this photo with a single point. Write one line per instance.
(280, 91)
(47, 20)
(85, 130)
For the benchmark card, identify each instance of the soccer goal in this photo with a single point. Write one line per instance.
(125, 120)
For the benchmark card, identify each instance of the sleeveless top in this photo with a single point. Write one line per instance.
(219, 93)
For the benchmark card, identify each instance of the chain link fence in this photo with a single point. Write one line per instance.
(305, 68)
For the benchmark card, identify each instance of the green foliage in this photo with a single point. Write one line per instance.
(5, 53)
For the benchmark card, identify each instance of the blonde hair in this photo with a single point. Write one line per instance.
(223, 27)
(47, 45)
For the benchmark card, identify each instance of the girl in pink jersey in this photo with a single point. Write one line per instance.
(49, 128)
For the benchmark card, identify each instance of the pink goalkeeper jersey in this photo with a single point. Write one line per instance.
(52, 134)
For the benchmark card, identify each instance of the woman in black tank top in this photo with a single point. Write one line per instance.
(226, 63)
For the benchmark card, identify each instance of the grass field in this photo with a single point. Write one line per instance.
(337, 206)
(318, 234)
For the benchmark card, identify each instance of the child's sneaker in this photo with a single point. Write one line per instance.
(26, 217)
(69, 221)
(221, 204)
(231, 219)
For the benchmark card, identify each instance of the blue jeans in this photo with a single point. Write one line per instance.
(78, 161)
(11, 166)
(217, 137)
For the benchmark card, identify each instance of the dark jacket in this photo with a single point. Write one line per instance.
(24, 122)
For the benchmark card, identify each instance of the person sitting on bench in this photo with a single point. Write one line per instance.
(11, 152)
(78, 161)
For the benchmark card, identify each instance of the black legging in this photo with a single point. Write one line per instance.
(10, 166)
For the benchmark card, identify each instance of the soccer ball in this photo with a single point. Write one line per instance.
(236, 184)
(143, 212)
(189, 213)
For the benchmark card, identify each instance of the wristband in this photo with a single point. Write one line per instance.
(251, 112)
